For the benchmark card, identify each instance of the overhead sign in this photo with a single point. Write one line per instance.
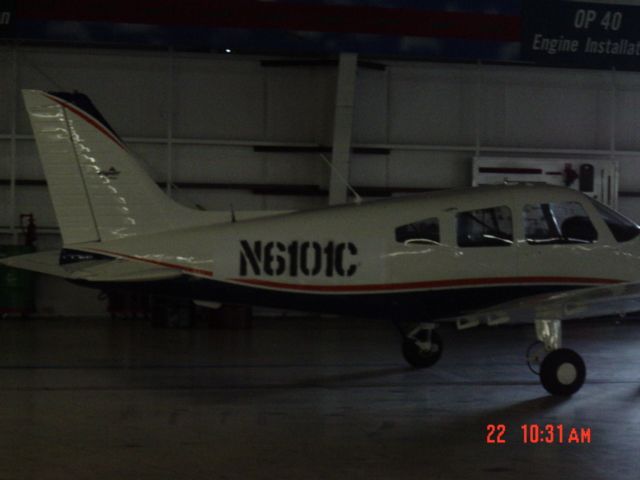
(581, 34)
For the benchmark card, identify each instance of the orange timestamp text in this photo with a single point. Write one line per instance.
(535, 434)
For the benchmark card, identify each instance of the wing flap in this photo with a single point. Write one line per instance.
(593, 302)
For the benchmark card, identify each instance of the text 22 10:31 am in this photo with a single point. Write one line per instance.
(532, 433)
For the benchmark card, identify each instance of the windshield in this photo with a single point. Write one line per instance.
(621, 227)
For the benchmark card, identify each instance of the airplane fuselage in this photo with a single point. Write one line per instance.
(424, 257)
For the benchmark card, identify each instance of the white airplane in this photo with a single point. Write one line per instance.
(491, 255)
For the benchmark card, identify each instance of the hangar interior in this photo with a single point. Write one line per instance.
(231, 125)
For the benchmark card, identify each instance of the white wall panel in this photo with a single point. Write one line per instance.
(431, 106)
(545, 108)
(627, 117)
(217, 164)
(629, 173)
(28, 165)
(218, 99)
(491, 115)
(294, 102)
(299, 169)
(548, 117)
(628, 120)
(369, 170)
(429, 169)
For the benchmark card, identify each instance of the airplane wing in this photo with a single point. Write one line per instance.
(41, 262)
(106, 270)
(593, 302)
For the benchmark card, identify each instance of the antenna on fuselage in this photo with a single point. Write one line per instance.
(233, 213)
(356, 198)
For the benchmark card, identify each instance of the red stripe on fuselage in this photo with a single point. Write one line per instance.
(437, 284)
(88, 119)
(382, 287)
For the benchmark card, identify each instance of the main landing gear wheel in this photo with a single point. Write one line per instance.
(562, 372)
(420, 351)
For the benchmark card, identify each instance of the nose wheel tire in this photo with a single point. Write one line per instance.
(562, 372)
(419, 352)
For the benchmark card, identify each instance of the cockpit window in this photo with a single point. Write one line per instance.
(561, 222)
(422, 232)
(621, 227)
(489, 227)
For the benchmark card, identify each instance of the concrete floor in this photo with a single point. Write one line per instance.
(296, 398)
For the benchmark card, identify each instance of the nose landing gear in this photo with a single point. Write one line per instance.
(562, 371)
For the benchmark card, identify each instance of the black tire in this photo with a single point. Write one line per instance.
(562, 372)
(419, 358)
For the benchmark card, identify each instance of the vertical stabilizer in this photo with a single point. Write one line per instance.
(64, 178)
(99, 190)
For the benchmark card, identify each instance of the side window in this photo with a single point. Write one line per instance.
(562, 222)
(420, 232)
(621, 227)
(489, 227)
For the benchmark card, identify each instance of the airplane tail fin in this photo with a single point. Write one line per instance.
(99, 190)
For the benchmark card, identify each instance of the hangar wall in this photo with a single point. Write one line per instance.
(213, 121)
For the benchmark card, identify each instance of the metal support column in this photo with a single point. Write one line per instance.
(478, 91)
(342, 126)
(612, 135)
(612, 114)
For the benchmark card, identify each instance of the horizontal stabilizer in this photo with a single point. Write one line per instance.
(40, 262)
(91, 271)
